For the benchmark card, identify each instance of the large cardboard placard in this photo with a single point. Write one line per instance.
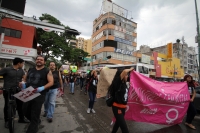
(105, 80)
(26, 94)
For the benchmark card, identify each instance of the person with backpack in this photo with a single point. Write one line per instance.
(92, 90)
(119, 91)
(41, 79)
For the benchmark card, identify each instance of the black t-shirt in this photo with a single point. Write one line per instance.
(121, 94)
(93, 85)
(55, 79)
(11, 77)
(37, 78)
(72, 78)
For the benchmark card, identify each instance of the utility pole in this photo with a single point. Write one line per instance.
(198, 35)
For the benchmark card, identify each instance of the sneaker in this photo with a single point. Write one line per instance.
(93, 111)
(88, 110)
(49, 120)
(45, 114)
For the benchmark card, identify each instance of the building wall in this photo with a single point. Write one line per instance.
(169, 66)
(80, 42)
(87, 47)
(116, 36)
(27, 34)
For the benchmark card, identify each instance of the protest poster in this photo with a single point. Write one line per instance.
(26, 94)
(105, 80)
(155, 101)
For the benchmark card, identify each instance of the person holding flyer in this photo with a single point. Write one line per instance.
(49, 104)
(41, 79)
(119, 90)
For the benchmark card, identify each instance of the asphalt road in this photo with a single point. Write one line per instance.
(71, 117)
(100, 122)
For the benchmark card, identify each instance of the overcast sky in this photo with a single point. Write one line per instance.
(159, 21)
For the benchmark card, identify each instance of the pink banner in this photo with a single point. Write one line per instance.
(156, 102)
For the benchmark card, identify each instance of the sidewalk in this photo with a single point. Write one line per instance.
(63, 121)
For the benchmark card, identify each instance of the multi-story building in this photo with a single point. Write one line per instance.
(87, 47)
(114, 34)
(80, 42)
(187, 56)
(18, 40)
(73, 43)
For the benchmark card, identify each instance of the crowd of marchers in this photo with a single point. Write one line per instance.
(46, 81)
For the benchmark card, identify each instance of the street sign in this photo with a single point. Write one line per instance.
(87, 59)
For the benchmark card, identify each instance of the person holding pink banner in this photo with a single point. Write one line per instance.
(191, 112)
(119, 90)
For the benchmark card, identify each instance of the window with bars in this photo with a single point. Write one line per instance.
(11, 32)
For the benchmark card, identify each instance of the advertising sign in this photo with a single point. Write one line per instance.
(123, 41)
(169, 50)
(146, 59)
(112, 7)
(123, 51)
(9, 49)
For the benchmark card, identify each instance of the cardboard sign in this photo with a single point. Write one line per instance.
(26, 94)
(105, 80)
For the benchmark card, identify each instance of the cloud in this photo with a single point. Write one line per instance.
(159, 21)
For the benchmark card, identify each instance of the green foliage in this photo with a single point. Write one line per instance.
(55, 44)
(57, 62)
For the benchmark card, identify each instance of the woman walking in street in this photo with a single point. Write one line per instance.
(92, 90)
(71, 81)
(191, 112)
(119, 90)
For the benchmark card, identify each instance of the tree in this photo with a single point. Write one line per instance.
(54, 44)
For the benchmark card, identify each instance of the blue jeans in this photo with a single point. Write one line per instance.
(49, 104)
(71, 86)
(92, 99)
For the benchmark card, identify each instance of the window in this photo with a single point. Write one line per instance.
(11, 32)
(2, 30)
(143, 69)
(97, 28)
(7, 32)
(113, 22)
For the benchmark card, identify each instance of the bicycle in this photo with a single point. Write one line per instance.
(11, 107)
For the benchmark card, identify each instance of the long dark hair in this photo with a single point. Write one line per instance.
(115, 83)
(191, 83)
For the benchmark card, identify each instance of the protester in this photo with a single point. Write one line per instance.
(12, 76)
(191, 112)
(82, 79)
(71, 80)
(49, 104)
(119, 90)
(41, 79)
(92, 90)
(64, 79)
(78, 79)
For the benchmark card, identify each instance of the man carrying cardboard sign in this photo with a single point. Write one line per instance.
(41, 79)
